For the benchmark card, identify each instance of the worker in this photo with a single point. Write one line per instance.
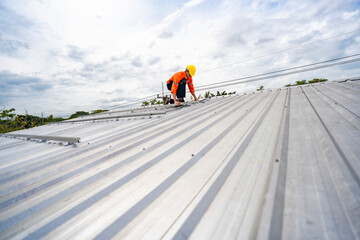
(176, 84)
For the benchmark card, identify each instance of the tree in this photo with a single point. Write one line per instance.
(315, 80)
(301, 82)
(207, 94)
(7, 113)
(153, 101)
(98, 111)
(78, 114)
(260, 88)
(50, 118)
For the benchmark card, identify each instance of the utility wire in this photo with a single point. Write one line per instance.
(257, 77)
(283, 70)
(246, 60)
(279, 75)
(274, 53)
(133, 102)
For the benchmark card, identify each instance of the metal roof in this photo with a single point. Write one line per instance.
(281, 163)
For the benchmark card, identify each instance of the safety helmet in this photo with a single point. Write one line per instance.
(191, 69)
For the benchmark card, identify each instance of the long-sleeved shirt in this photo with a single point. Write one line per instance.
(177, 77)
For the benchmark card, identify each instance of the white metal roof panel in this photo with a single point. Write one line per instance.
(266, 165)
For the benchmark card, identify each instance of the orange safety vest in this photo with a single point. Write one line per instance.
(177, 77)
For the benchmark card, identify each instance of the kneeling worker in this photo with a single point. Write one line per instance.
(176, 84)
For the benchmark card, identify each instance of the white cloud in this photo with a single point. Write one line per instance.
(352, 14)
(88, 53)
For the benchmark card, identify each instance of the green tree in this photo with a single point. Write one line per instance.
(207, 94)
(78, 114)
(260, 88)
(302, 82)
(315, 80)
(98, 111)
(8, 113)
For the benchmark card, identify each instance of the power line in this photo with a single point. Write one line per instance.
(133, 102)
(258, 77)
(274, 53)
(280, 75)
(283, 70)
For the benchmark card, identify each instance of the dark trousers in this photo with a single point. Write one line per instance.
(180, 93)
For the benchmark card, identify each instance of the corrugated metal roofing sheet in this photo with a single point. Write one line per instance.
(266, 165)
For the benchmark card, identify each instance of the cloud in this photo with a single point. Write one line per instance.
(154, 60)
(137, 62)
(13, 86)
(11, 23)
(11, 47)
(12, 81)
(76, 54)
(100, 54)
(166, 34)
(171, 18)
(264, 40)
(235, 39)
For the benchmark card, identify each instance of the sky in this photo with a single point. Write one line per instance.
(62, 56)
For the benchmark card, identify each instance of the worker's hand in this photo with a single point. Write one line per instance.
(177, 103)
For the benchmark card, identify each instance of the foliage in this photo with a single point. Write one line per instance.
(78, 114)
(302, 82)
(208, 94)
(315, 80)
(10, 121)
(7, 114)
(98, 111)
(260, 88)
(151, 102)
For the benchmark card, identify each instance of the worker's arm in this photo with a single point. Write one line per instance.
(195, 98)
(176, 102)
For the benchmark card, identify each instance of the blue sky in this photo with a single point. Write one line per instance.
(58, 57)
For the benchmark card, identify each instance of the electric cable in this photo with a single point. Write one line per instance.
(258, 77)
(283, 70)
(281, 51)
(280, 75)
